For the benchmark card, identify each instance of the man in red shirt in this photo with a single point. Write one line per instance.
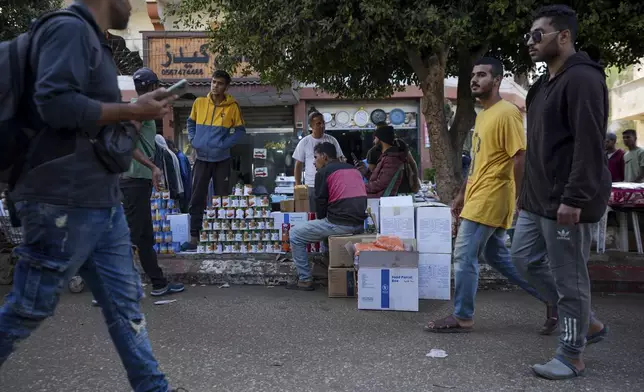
(615, 158)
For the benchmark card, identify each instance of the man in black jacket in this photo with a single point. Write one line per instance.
(67, 199)
(341, 205)
(566, 184)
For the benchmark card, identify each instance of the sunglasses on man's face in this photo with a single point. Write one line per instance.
(537, 36)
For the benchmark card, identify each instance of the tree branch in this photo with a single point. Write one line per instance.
(415, 59)
(465, 113)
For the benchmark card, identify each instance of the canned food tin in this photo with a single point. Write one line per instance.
(203, 236)
(158, 237)
(216, 224)
(226, 225)
(221, 236)
(239, 236)
(261, 224)
(213, 236)
(234, 201)
(216, 201)
(225, 202)
(252, 201)
(210, 248)
(234, 224)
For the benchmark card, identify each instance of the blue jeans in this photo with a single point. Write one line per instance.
(476, 240)
(310, 232)
(61, 241)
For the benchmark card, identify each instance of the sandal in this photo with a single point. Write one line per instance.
(552, 321)
(559, 368)
(448, 324)
(597, 337)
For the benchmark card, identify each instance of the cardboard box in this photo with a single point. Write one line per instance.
(301, 193)
(342, 282)
(397, 217)
(388, 281)
(292, 218)
(287, 205)
(180, 227)
(339, 256)
(433, 228)
(434, 276)
(302, 205)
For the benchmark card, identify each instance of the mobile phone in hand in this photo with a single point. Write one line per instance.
(176, 89)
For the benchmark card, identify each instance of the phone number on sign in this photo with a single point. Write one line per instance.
(182, 72)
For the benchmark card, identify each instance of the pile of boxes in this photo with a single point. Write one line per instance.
(162, 208)
(239, 223)
(396, 280)
(300, 201)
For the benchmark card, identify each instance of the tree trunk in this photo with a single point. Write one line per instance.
(445, 159)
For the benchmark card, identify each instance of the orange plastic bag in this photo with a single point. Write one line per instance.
(365, 246)
(390, 243)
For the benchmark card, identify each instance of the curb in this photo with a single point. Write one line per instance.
(609, 272)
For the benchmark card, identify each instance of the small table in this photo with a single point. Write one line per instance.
(625, 198)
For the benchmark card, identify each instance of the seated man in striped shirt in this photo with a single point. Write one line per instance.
(341, 204)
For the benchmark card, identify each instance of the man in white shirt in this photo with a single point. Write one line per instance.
(303, 154)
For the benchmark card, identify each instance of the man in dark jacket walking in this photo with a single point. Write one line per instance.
(390, 170)
(67, 199)
(566, 184)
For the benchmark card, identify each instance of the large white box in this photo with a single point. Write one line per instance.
(292, 218)
(434, 276)
(388, 281)
(397, 216)
(180, 226)
(433, 228)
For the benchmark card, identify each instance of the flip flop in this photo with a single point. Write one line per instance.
(559, 368)
(448, 324)
(597, 337)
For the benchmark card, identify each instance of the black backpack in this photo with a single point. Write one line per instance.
(15, 136)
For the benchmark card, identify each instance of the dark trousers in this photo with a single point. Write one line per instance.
(202, 173)
(136, 203)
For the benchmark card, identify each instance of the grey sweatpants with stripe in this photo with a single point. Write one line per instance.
(553, 259)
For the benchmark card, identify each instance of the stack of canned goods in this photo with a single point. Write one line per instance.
(239, 224)
(162, 206)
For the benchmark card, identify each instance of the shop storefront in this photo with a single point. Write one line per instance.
(352, 123)
(267, 111)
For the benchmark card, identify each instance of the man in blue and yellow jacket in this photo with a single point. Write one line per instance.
(214, 126)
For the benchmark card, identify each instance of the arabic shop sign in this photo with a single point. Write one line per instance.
(180, 58)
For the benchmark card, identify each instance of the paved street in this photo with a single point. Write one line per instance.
(267, 339)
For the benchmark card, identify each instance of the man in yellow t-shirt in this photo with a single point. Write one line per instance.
(488, 197)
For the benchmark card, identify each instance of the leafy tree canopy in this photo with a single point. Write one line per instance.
(16, 15)
(370, 48)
